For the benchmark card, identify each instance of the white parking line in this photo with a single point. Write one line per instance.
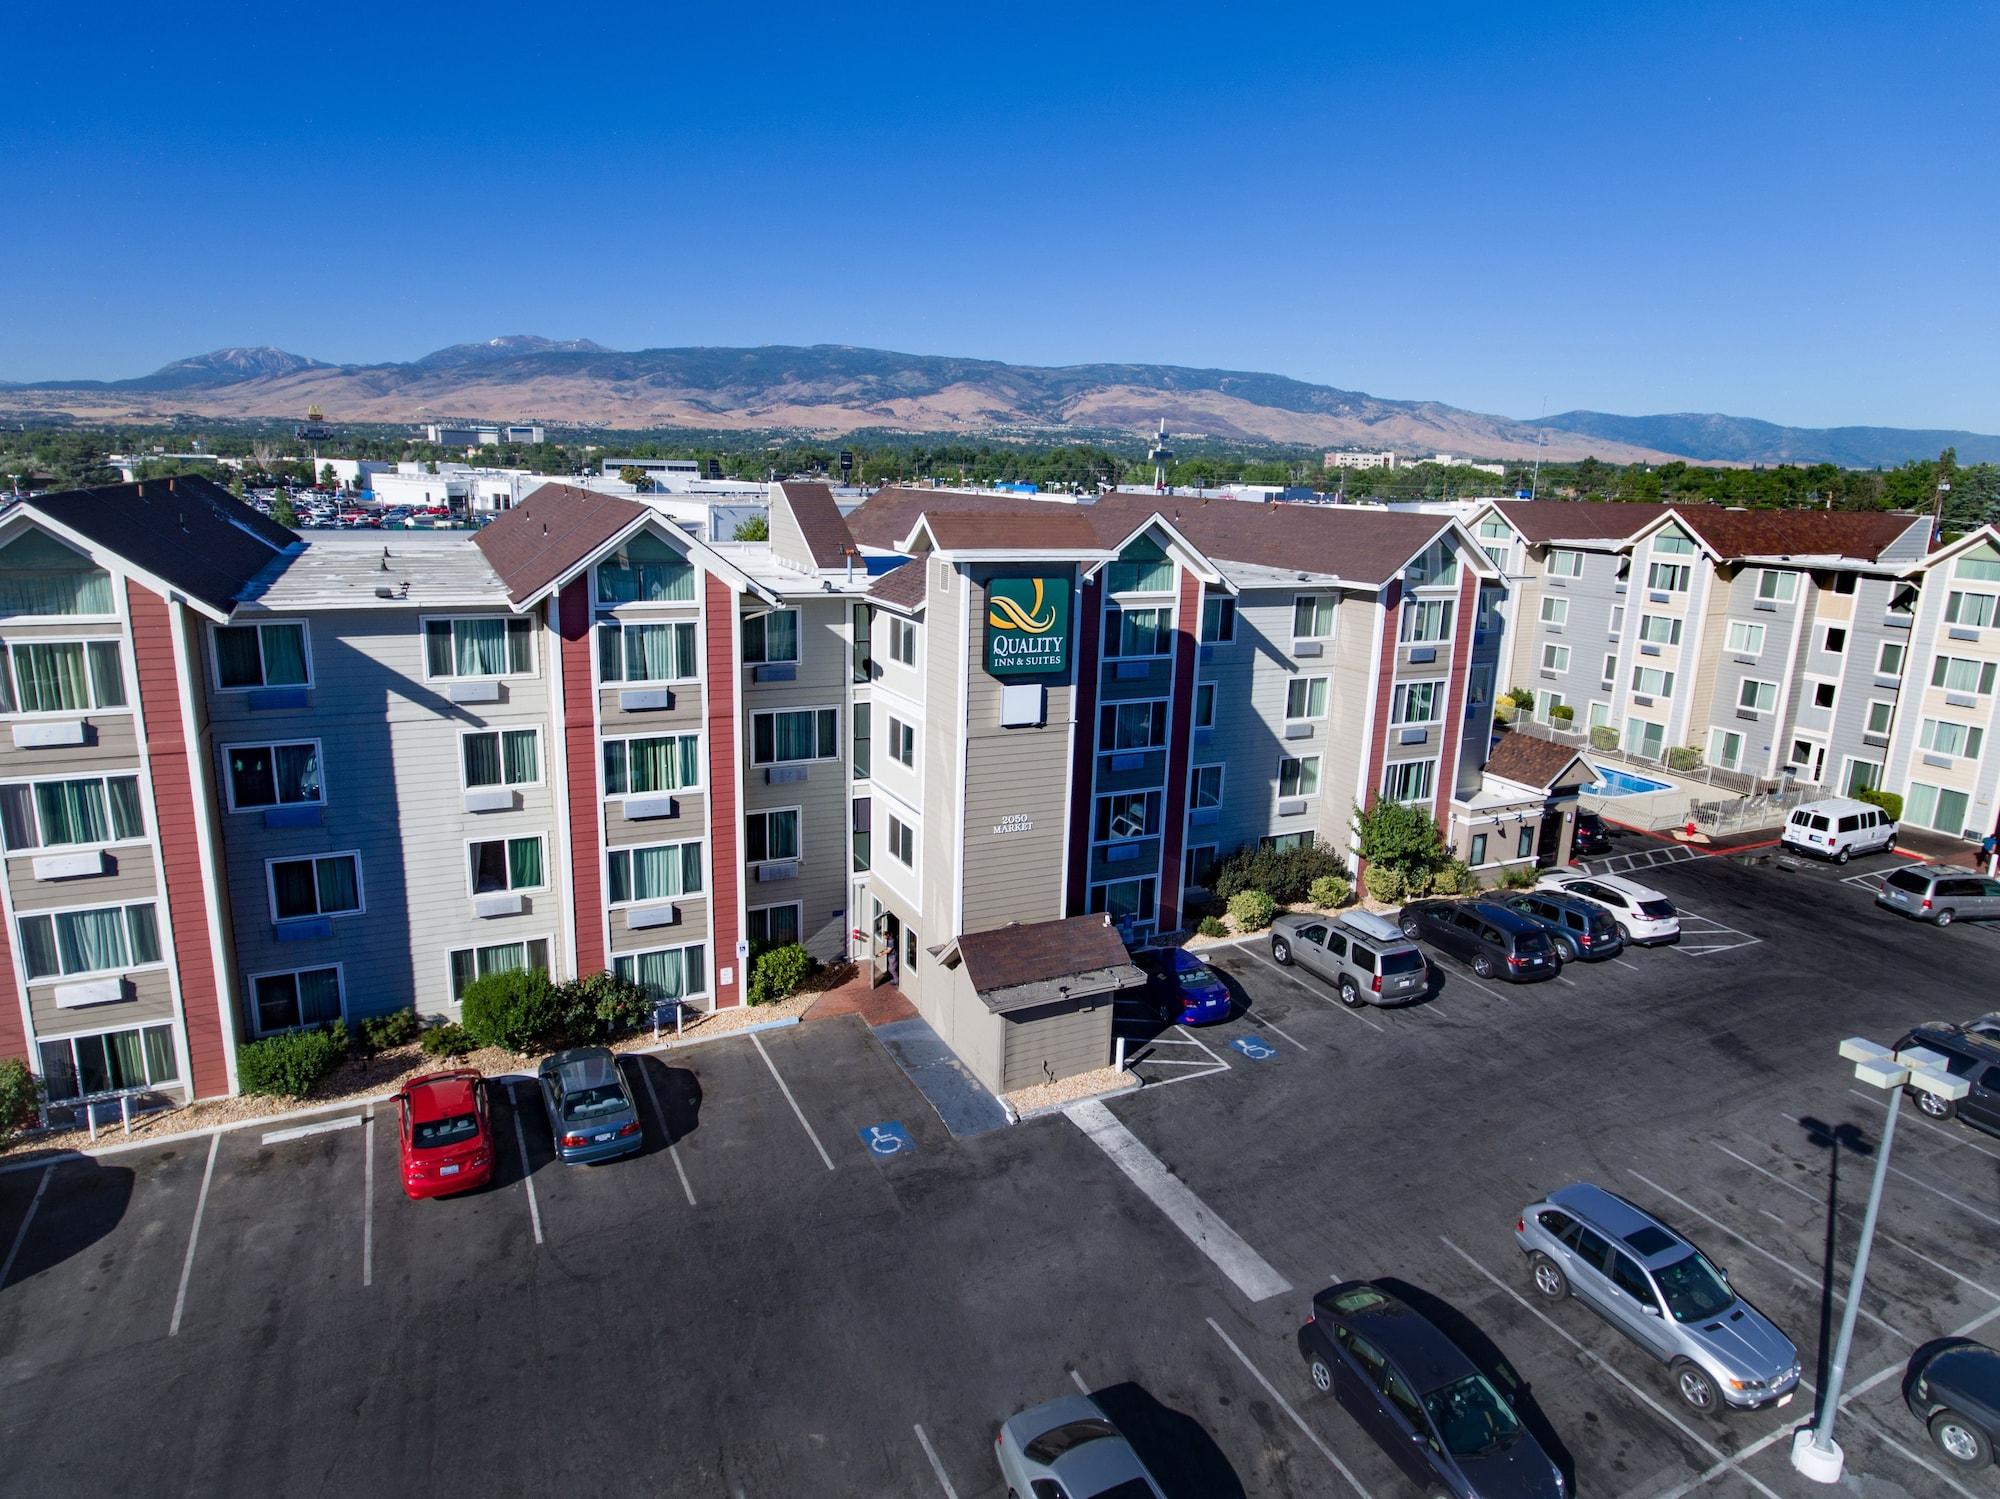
(1623, 964)
(1560, 979)
(1938, 1473)
(368, 1204)
(1286, 1406)
(1469, 979)
(936, 1466)
(324, 1127)
(1249, 1270)
(1666, 1415)
(1322, 998)
(1917, 1181)
(1082, 1388)
(758, 1042)
(527, 1175)
(666, 1134)
(21, 1233)
(1951, 1137)
(1276, 1031)
(194, 1236)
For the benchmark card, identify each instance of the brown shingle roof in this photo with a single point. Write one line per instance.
(1055, 528)
(549, 533)
(1528, 761)
(1016, 966)
(1579, 520)
(1363, 546)
(884, 519)
(1859, 534)
(903, 586)
(820, 522)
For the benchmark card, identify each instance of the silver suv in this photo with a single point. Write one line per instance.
(1661, 1292)
(1361, 954)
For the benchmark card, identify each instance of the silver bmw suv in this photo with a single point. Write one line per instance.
(1661, 1292)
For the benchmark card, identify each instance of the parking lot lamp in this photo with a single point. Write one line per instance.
(1815, 1454)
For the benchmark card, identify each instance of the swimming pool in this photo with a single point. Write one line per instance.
(1624, 783)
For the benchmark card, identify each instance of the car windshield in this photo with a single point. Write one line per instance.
(1050, 1445)
(1196, 979)
(430, 1134)
(1659, 910)
(1472, 1417)
(1694, 1289)
(1407, 960)
(588, 1103)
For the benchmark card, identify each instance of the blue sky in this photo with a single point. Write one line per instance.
(1786, 211)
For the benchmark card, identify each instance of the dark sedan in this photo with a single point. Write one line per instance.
(1591, 836)
(1953, 1387)
(1422, 1398)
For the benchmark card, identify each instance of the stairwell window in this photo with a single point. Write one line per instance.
(71, 813)
(771, 639)
(63, 676)
(794, 736)
(477, 648)
(645, 764)
(661, 651)
(261, 655)
(89, 941)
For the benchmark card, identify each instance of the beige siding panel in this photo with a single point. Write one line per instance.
(113, 744)
(692, 927)
(689, 820)
(1052, 1042)
(152, 1002)
(131, 878)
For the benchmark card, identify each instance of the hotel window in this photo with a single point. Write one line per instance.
(647, 571)
(1204, 705)
(903, 641)
(478, 649)
(1278, 843)
(1725, 748)
(664, 762)
(862, 734)
(1524, 843)
(1652, 681)
(1426, 620)
(1660, 629)
(1476, 852)
(862, 665)
(1298, 775)
(902, 743)
(273, 775)
(58, 814)
(902, 842)
(1139, 632)
(773, 926)
(1207, 786)
(1131, 726)
(1667, 577)
(1777, 587)
(305, 996)
(796, 735)
(1760, 697)
(1861, 775)
(1984, 569)
(327, 885)
(469, 964)
(1745, 639)
(1617, 618)
(1436, 567)
(653, 871)
(503, 864)
(1822, 694)
(1141, 568)
(1415, 702)
(1555, 612)
(1958, 741)
(249, 656)
(771, 835)
(769, 639)
(1610, 668)
(1969, 610)
(502, 757)
(1127, 814)
(1479, 684)
(1555, 658)
(1305, 697)
(1124, 900)
(1936, 808)
(1881, 711)
(79, 1067)
(1834, 642)
(666, 973)
(40, 578)
(1956, 674)
(659, 652)
(1673, 542)
(1218, 621)
(63, 676)
(101, 939)
(1408, 780)
(1198, 866)
(1565, 564)
(1312, 616)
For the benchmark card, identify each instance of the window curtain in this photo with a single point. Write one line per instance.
(653, 764)
(781, 636)
(293, 890)
(482, 760)
(142, 925)
(610, 657)
(509, 957)
(319, 995)
(520, 646)
(30, 593)
(480, 647)
(38, 947)
(107, 674)
(127, 820)
(284, 655)
(660, 974)
(72, 812)
(237, 663)
(524, 863)
(792, 736)
(59, 1071)
(783, 833)
(437, 647)
(50, 678)
(649, 653)
(518, 753)
(91, 941)
(17, 816)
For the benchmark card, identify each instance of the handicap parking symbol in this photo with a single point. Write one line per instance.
(887, 1138)
(1255, 1050)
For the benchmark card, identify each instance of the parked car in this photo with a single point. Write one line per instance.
(1496, 942)
(1590, 836)
(1661, 1292)
(1971, 1052)
(1645, 917)
(1578, 928)
(1187, 990)
(591, 1111)
(1364, 956)
(1939, 894)
(1953, 1387)
(445, 1134)
(1838, 828)
(1421, 1397)
(1069, 1449)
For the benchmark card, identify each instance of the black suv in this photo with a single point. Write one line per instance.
(1591, 836)
(1971, 1052)
(1496, 942)
(1578, 928)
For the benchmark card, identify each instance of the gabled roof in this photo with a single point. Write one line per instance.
(1856, 535)
(902, 587)
(188, 534)
(1056, 529)
(1536, 763)
(1985, 535)
(886, 517)
(820, 523)
(1543, 521)
(1015, 966)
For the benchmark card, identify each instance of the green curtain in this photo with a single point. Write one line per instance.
(782, 835)
(237, 663)
(665, 764)
(524, 863)
(161, 1067)
(292, 889)
(660, 974)
(648, 653)
(339, 887)
(142, 925)
(792, 735)
(127, 819)
(28, 593)
(50, 678)
(618, 867)
(72, 812)
(107, 674)
(480, 647)
(519, 750)
(664, 871)
(38, 947)
(610, 659)
(125, 1058)
(509, 957)
(91, 941)
(284, 655)
(781, 635)
(482, 760)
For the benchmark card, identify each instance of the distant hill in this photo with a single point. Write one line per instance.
(829, 389)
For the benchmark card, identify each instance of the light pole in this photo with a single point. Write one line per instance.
(1815, 1454)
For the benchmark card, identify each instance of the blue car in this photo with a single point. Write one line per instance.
(1194, 992)
(592, 1114)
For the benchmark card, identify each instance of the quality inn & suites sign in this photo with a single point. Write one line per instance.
(1027, 626)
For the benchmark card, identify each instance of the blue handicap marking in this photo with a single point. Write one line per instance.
(1255, 1050)
(887, 1138)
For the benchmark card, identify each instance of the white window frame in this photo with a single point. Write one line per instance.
(1326, 703)
(547, 939)
(503, 839)
(707, 963)
(797, 907)
(621, 625)
(70, 1038)
(799, 854)
(1199, 689)
(1868, 717)
(628, 849)
(1812, 683)
(1617, 619)
(764, 657)
(425, 621)
(1555, 611)
(1951, 599)
(157, 902)
(1751, 630)
(103, 777)
(902, 632)
(700, 762)
(1392, 771)
(10, 682)
(256, 1015)
(1826, 630)
(1610, 675)
(1771, 591)
(1674, 624)
(813, 708)
(304, 628)
(1847, 764)
(1299, 790)
(1564, 562)
(897, 727)
(116, 589)
(1330, 601)
(1902, 650)
(1968, 732)
(1716, 734)
(497, 731)
(272, 745)
(1399, 701)
(271, 885)
(1414, 611)
(1667, 681)
(1194, 786)
(1757, 705)
(1225, 616)
(896, 822)
(1555, 657)
(1188, 861)
(1983, 671)
(1681, 573)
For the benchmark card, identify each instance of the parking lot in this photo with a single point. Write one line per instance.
(765, 1302)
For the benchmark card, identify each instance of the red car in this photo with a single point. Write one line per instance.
(446, 1133)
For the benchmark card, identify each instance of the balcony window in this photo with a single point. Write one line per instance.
(647, 571)
(40, 578)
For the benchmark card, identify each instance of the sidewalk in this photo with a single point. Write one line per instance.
(882, 1005)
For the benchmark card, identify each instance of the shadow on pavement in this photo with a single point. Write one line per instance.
(93, 1203)
(1174, 1447)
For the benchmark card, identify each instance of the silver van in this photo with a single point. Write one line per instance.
(1838, 828)
(1364, 956)
(1940, 894)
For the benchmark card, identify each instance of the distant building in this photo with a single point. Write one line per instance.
(523, 435)
(1358, 460)
(1450, 460)
(660, 470)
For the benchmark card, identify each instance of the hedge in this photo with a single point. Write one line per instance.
(1284, 874)
(1888, 801)
(1251, 910)
(778, 973)
(287, 1065)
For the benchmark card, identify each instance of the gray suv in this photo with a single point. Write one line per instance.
(1939, 894)
(1661, 1292)
(1362, 955)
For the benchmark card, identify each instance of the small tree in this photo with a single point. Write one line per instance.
(635, 476)
(757, 528)
(20, 1098)
(1400, 834)
(327, 477)
(283, 511)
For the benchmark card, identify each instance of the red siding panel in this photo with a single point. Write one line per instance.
(184, 879)
(1385, 678)
(1454, 694)
(1180, 730)
(586, 868)
(1088, 624)
(13, 1032)
(725, 854)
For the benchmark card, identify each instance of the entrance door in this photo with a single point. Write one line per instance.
(1550, 841)
(888, 948)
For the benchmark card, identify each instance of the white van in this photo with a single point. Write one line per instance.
(1838, 828)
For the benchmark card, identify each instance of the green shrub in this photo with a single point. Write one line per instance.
(601, 1007)
(1403, 836)
(1520, 877)
(447, 1040)
(1212, 926)
(1331, 890)
(1385, 882)
(1504, 711)
(1453, 877)
(1521, 698)
(20, 1098)
(778, 973)
(1251, 910)
(1563, 713)
(287, 1065)
(1683, 757)
(519, 1010)
(384, 1031)
(1603, 737)
(1888, 801)
(1282, 873)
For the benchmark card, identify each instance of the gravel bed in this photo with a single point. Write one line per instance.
(1024, 1101)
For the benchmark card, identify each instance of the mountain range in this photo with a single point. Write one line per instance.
(831, 389)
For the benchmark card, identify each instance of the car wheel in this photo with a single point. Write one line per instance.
(1944, 917)
(1959, 1440)
(1890, 846)
(1624, 932)
(1282, 951)
(1349, 994)
(1934, 1106)
(1565, 950)
(1483, 966)
(1322, 1375)
(1548, 1277)
(1840, 857)
(1410, 927)
(1692, 1384)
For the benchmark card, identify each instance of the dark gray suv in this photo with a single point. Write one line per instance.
(1579, 928)
(1494, 942)
(1971, 1052)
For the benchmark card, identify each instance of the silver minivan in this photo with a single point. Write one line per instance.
(1839, 828)
(1364, 956)
(1940, 894)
